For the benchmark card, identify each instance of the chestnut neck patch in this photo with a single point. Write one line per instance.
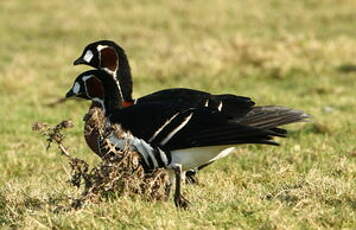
(109, 58)
(95, 88)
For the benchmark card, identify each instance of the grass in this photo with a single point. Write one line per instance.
(294, 53)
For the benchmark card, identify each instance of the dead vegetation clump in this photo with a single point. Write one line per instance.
(120, 173)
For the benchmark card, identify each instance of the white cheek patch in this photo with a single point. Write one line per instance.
(88, 56)
(76, 88)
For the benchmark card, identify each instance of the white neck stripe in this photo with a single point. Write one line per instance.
(117, 82)
(100, 47)
(86, 77)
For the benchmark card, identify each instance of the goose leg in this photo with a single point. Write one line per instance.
(191, 177)
(179, 199)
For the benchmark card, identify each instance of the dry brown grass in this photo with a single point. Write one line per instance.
(120, 172)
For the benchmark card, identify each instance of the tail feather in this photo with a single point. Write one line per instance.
(270, 117)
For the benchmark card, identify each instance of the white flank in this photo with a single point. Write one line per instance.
(223, 153)
(220, 106)
(88, 56)
(162, 127)
(76, 88)
(194, 157)
(187, 119)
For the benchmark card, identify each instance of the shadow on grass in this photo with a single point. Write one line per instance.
(347, 68)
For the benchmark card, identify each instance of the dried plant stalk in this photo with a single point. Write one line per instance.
(119, 173)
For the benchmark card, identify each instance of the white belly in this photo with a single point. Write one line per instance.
(194, 157)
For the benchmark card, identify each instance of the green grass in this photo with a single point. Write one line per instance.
(292, 53)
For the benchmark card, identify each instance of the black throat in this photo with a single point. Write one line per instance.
(112, 97)
(123, 74)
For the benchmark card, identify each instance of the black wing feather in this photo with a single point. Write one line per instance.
(233, 106)
(203, 127)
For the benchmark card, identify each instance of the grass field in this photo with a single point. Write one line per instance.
(300, 54)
